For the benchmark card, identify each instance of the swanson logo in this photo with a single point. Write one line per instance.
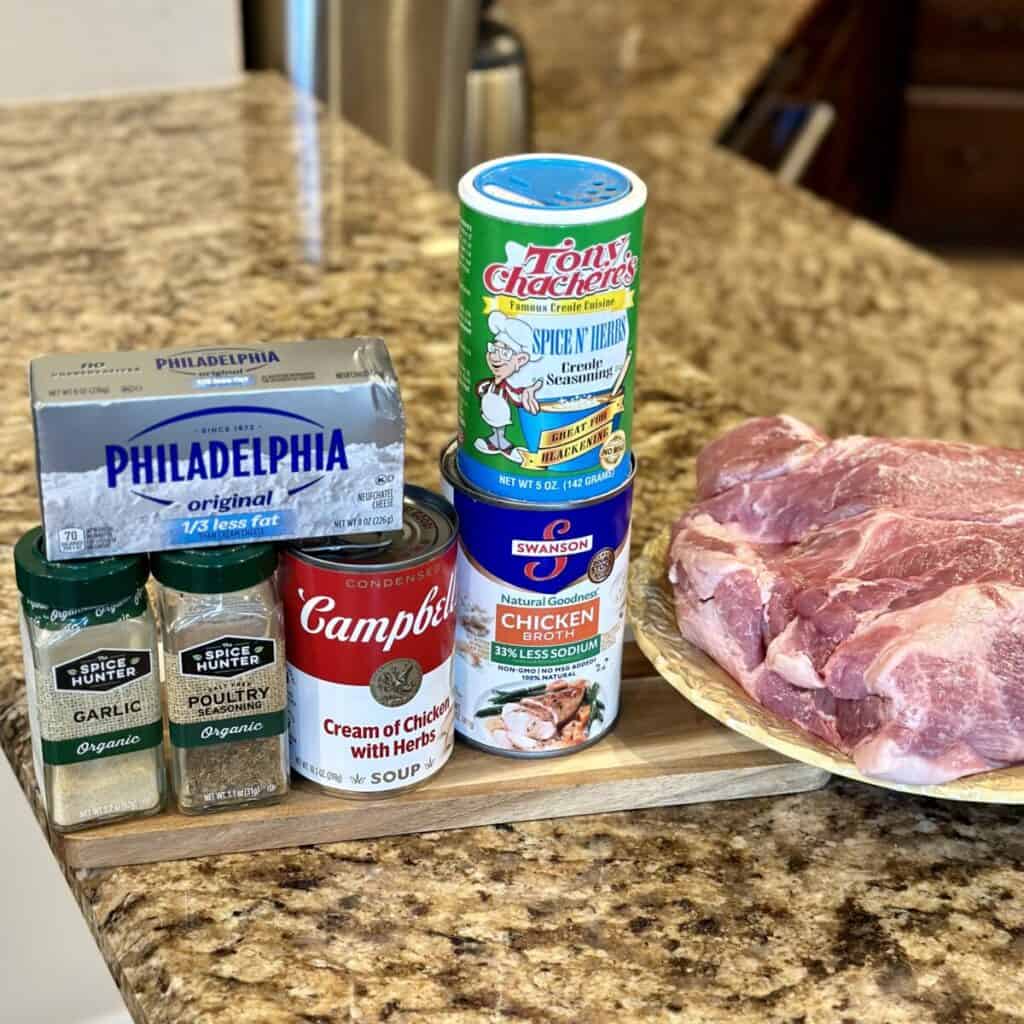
(228, 656)
(554, 545)
(102, 670)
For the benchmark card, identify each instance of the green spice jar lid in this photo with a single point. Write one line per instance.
(215, 570)
(80, 583)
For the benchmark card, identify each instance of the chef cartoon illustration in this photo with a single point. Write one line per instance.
(507, 353)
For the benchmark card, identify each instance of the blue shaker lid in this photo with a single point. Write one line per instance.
(553, 182)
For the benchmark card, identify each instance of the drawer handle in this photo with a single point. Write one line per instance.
(781, 134)
(992, 23)
(968, 158)
(803, 147)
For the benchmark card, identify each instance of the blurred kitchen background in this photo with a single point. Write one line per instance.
(908, 113)
(905, 113)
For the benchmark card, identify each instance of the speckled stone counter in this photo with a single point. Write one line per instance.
(238, 214)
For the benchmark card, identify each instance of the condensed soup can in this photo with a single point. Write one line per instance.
(549, 266)
(540, 620)
(370, 631)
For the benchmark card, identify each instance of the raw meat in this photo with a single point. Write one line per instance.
(935, 479)
(757, 450)
(869, 590)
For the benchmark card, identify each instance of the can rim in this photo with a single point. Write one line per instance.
(453, 476)
(624, 207)
(421, 496)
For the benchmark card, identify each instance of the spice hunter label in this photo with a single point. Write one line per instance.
(369, 671)
(100, 704)
(226, 689)
(541, 614)
(549, 264)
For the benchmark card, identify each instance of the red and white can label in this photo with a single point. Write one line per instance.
(370, 697)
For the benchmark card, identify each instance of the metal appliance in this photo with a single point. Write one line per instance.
(497, 93)
(401, 70)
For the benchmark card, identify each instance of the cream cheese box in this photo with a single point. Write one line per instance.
(146, 451)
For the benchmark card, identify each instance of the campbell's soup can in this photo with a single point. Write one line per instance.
(540, 620)
(370, 631)
(549, 266)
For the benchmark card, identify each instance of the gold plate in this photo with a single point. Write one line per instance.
(716, 693)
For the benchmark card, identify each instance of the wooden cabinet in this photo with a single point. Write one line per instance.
(959, 176)
(849, 57)
(976, 43)
(927, 106)
(866, 46)
(962, 138)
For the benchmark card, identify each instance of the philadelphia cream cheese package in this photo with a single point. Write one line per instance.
(145, 451)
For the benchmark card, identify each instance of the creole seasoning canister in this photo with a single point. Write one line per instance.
(549, 264)
(370, 630)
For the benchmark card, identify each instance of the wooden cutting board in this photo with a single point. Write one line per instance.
(662, 751)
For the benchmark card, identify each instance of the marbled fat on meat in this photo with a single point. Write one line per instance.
(869, 590)
(756, 450)
(932, 479)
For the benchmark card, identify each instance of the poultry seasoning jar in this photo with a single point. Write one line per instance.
(540, 618)
(224, 668)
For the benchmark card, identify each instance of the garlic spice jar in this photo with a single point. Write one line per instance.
(224, 673)
(92, 675)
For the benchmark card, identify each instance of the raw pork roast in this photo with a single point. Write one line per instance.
(869, 590)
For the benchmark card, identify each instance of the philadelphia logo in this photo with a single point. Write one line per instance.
(206, 361)
(144, 461)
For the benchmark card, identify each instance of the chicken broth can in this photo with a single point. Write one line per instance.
(540, 619)
(549, 265)
(369, 631)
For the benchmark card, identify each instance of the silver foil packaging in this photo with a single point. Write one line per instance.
(145, 451)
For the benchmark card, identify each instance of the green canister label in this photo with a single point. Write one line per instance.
(549, 264)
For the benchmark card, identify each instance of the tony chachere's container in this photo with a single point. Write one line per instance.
(370, 629)
(540, 621)
(549, 265)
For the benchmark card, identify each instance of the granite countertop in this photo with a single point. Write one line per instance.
(241, 214)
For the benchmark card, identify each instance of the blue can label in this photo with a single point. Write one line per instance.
(541, 615)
